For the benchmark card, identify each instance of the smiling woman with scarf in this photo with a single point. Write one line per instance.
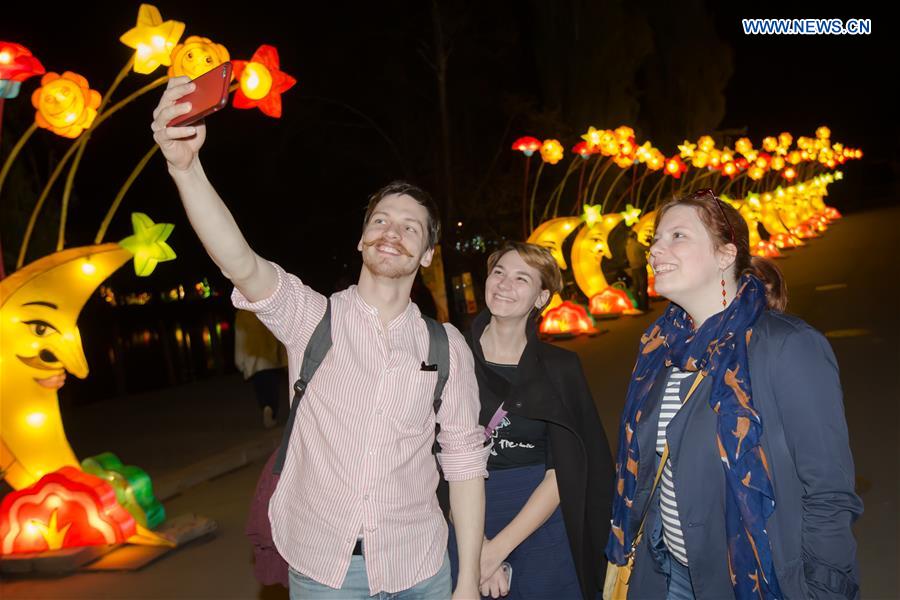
(756, 496)
(547, 497)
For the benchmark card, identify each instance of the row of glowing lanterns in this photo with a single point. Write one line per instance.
(774, 154)
(790, 214)
(66, 104)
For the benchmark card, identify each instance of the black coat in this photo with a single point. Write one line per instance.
(551, 387)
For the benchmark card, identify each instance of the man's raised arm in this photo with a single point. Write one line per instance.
(254, 277)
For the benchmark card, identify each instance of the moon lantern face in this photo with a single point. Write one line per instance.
(588, 249)
(551, 235)
(39, 344)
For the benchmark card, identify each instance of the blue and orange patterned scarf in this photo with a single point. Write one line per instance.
(719, 349)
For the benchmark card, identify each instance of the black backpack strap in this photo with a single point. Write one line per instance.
(438, 354)
(318, 346)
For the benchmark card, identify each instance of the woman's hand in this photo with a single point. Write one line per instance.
(496, 585)
(491, 558)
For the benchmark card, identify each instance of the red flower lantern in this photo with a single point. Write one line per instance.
(64, 509)
(567, 320)
(16, 65)
(582, 150)
(527, 145)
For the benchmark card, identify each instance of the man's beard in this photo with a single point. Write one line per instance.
(383, 266)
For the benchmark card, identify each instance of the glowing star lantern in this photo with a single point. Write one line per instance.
(789, 173)
(552, 151)
(611, 302)
(65, 509)
(261, 82)
(39, 343)
(675, 167)
(592, 138)
(686, 149)
(196, 56)
(588, 250)
(152, 39)
(631, 215)
(16, 65)
(567, 319)
(148, 243)
(592, 213)
(132, 485)
(65, 104)
(527, 145)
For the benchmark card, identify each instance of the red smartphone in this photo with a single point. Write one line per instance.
(210, 95)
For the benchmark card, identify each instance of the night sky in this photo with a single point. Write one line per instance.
(365, 110)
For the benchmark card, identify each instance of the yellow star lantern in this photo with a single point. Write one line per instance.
(592, 137)
(196, 56)
(686, 149)
(770, 144)
(592, 213)
(65, 104)
(152, 39)
(148, 244)
(631, 215)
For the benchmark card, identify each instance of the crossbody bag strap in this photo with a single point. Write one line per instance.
(318, 346)
(662, 464)
(438, 354)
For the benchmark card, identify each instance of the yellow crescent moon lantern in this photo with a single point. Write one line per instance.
(644, 228)
(588, 249)
(551, 235)
(39, 343)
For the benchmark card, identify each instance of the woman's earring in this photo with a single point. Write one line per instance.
(724, 304)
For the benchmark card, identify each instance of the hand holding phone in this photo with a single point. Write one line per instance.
(210, 95)
(507, 568)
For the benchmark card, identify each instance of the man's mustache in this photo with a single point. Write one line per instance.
(384, 242)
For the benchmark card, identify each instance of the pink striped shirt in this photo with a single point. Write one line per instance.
(359, 461)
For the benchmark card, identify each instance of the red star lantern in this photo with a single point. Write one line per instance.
(675, 167)
(261, 82)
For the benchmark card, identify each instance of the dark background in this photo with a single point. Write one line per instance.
(367, 109)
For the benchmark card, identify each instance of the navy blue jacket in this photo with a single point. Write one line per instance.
(797, 391)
